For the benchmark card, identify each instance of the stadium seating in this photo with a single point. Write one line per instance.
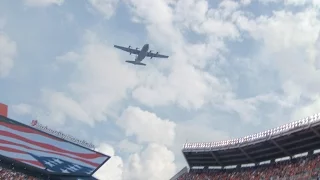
(11, 174)
(304, 168)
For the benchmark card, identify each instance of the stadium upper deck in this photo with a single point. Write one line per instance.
(287, 140)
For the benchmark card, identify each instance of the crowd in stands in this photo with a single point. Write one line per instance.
(10, 174)
(305, 168)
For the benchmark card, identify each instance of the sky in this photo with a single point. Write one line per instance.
(235, 68)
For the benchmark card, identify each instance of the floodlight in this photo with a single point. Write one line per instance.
(272, 131)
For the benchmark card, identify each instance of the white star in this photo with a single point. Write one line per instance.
(49, 163)
(71, 168)
(64, 170)
(89, 172)
(58, 161)
(74, 167)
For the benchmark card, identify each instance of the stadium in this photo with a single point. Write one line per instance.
(28, 153)
(286, 152)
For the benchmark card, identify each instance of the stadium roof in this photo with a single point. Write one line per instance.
(41, 152)
(288, 140)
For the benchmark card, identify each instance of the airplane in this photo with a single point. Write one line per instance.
(141, 54)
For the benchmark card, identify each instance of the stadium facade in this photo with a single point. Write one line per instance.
(289, 140)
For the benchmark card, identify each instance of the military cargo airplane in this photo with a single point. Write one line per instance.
(140, 54)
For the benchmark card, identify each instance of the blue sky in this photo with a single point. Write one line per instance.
(235, 68)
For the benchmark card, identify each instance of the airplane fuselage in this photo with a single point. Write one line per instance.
(143, 53)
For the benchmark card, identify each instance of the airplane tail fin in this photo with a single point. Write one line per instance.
(136, 63)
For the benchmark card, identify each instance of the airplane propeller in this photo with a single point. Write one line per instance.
(150, 54)
(130, 48)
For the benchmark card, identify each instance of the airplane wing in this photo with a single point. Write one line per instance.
(128, 49)
(156, 55)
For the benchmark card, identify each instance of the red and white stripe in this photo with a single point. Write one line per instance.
(17, 141)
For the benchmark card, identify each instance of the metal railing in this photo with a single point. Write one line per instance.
(255, 137)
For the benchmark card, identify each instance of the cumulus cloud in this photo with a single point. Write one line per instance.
(68, 57)
(43, 3)
(186, 84)
(128, 146)
(100, 79)
(146, 126)
(61, 107)
(113, 169)
(199, 75)
(8, 51)
(314, 3)
(22, 109)
(288, 50)
(106, 7)
(155, 162)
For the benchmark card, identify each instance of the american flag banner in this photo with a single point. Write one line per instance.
(44, 151)
(59, 165)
